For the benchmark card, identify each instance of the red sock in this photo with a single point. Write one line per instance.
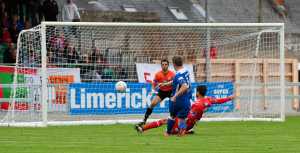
(154, 124)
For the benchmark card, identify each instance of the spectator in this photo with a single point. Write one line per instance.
(121, 73)
(10, 54)
(100, 62)
(27, 25)
(101, 59)
(2, 8)
(85, 58)
(57, 45)
(57, 42)
(52, 57)
(95, 57)
(14, 32)
(5, 21)
(15, 29)
(88, 73)
(279, 6)
(71, 54)
(34, 11)
(108, 73)
(40, 11)
(92, 76)
(70, 12)
(1, 32)
(33, 60)
(2, 16)
(12, 5)
(212, 52)
(6, 38)
(17, 22)
(50, 10)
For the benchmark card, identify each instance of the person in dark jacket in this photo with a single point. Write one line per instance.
(50, 9)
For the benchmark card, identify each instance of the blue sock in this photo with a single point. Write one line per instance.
(182, 124)
(170, 125)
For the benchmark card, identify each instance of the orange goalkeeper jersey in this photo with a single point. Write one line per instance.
(161, 77)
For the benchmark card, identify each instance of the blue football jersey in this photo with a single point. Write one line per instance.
(182, 77)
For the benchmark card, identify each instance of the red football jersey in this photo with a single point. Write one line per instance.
(201, 104)
(197, 110)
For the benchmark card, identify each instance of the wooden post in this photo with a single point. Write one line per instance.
(295, 76)
(265, 82)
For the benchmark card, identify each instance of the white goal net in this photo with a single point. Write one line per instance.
(66, 72)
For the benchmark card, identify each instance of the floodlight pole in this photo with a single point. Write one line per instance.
(206, 11)
(207, 48)
(259, 11)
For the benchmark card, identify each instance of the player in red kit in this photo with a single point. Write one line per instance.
(195, 114)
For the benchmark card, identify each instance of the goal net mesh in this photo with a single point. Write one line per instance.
(85, 60)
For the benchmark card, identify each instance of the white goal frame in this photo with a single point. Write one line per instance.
(44, 93)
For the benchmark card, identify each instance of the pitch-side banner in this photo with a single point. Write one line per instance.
(102, 99)
(26, 76)
(58, 79)
(146, 72)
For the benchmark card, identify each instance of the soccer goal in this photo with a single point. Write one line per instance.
(65, 73)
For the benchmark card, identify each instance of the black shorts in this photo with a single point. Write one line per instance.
(164, 94)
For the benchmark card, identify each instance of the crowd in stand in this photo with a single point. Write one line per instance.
(17, 15)
(95, 65)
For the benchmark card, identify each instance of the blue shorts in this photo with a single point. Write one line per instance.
(180, 111)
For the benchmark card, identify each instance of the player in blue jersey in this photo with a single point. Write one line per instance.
(179, 105)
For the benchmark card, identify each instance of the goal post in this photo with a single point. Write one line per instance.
(282, 72)
(66, 71)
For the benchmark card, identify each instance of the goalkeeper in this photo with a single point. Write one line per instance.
(195, 114)
(163, 83)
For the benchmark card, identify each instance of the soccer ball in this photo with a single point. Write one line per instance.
(121, 86)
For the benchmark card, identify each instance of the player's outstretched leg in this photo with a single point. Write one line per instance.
(191, 131)
(155, 124)
(139, 128)
(147, 114)
(170, 124)
(149, 110)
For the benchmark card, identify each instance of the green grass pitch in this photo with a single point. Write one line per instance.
(210, 137)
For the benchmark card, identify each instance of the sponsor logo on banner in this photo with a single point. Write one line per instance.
(217, 90)
(58, 79)
(101, 98)
(26, 76)
(94, 98)
(146, 72)
(60, 88)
